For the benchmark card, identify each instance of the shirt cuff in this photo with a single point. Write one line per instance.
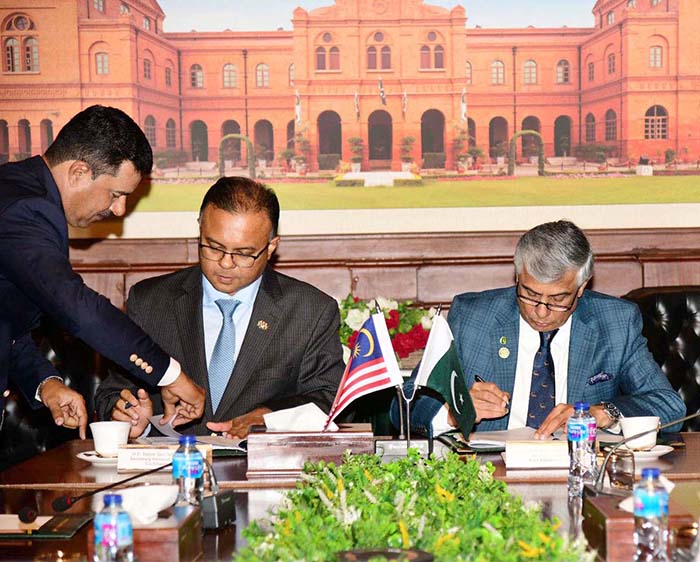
(440, 421)
(172, 372)
(37, 394)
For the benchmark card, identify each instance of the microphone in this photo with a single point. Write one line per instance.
(27, 514)
(598, 487)
(62, 503)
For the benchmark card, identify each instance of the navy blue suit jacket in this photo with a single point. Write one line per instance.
(608, 357)
(36, 278)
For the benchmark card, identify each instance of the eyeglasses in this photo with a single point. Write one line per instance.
(548, 305)
(240, 260)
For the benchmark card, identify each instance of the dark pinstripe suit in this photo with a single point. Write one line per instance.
(290, 355)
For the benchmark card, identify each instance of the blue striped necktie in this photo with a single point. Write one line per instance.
(542, 390)
(224, 354)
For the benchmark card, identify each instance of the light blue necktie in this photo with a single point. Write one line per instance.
(224, 354)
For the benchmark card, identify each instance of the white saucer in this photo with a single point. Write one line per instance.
(95, 459)
(652, 454)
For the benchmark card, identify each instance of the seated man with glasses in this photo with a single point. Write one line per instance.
(256, 340)
(531, 351)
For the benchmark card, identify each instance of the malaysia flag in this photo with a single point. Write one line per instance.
(372, 365)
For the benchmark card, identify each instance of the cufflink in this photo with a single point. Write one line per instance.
(6, 393)
(143, 365)
(149, 370)
(133, 357)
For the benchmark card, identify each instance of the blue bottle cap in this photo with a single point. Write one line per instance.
(581, 406)
(110, 499)
(187, 439)
(650, 473)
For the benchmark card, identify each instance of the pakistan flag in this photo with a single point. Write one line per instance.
(441, 371)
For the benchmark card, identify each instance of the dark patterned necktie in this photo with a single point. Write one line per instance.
(542, 382)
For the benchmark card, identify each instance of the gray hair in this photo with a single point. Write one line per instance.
(551, 249)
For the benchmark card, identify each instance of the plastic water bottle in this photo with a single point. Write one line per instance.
(650, 518)
(188, 471)
(114, 535)
(581, 434)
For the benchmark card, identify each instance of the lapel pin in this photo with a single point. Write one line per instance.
(262, 325)
(503, 340)
(504, 353)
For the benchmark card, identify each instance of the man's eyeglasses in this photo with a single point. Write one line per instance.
(240, 260)
(554, 307)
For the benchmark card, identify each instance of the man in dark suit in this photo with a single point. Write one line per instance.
(594, 350)
(96, 161)
(284, 351)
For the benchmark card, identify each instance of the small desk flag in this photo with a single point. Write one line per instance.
(372, 365)
(382, 94)
(441, 371)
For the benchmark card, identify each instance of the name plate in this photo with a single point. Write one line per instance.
(537, 454)
(135, 458)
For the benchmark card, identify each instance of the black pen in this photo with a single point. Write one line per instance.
(477, 378)
(127, 405)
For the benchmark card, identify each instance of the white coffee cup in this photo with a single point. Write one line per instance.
(108, 435)
(638, 424)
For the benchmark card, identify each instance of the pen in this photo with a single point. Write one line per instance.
(127, 405)
(477, 378)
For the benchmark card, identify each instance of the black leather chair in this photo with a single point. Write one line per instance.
(27, 432)
(671, 317)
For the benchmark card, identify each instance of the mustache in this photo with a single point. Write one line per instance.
(104, 215)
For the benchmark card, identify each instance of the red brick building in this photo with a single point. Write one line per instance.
(381, 70)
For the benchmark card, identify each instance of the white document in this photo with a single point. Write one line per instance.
(307, 417)
(172, 435)
(494, 439)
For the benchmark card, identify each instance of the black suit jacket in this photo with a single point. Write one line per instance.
(290, 355)
(36, 278)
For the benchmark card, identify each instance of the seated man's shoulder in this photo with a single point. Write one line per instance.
(163, 282)
(484, 299)
(607, 303)
(301, 292)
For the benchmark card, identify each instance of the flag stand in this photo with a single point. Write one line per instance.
(399, 396)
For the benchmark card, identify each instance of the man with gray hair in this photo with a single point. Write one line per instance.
(531, 351)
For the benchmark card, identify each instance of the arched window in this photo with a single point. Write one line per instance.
(611, 63)
(334, 58)
(99, 5)
(31, 54)
(149, 129)
(11, 55)
(439, 56)
(655, 3)
(386, 57)
(590, 128)
(656, 123)
(530, 72)
(262, 75)
(563, 72)
(147, 69)
(468, 71)
(291, 74)
(170, 134)
(168, 77)
(146, 23)
(610, 125)
(196, 76)
(631, 3)
(425, 56)
(124, 9)
(498, 72)
(372, 58)
(591, 71)
(320, 58)
(656, 56)
(229, 75)
(101, 63)
(611, 18)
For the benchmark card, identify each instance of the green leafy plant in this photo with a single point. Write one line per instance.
(451, 508)
(357, 148)
(406, 148)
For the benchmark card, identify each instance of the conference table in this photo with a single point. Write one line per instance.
(38, 481)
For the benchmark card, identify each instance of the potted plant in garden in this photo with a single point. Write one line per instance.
(261, 155)
(475, 153)
(357, 149)
(287, 156)
(498, 151)
(459, 143)
(303, 147)
(406, 150)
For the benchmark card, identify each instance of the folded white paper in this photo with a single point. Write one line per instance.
(493, 439)
(307, 417)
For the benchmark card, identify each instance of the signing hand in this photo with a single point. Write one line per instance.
(183, 401)
(489, 401)
(137, 414)
(67, 406)
(240, 426)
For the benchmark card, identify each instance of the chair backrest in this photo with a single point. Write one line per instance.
(671, 319)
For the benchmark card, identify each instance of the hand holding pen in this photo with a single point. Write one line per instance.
(489, 401)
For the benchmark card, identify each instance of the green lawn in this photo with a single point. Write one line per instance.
(478, 193)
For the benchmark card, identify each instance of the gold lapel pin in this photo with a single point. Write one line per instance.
(262, 325)
(504, 353)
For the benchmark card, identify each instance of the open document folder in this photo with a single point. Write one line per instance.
(497, 439)
(172, 435)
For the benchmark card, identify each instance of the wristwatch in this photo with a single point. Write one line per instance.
(612, 411)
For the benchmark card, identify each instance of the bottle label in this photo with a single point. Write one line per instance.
(592, 429)
(577, 430)
(188, 466)
(649, 504)
(111, 531)
(125, 532)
